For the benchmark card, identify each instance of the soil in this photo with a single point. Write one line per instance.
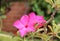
(17, 9)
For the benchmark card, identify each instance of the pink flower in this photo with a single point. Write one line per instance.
(36, 19)
(27, 23)
(24, 26)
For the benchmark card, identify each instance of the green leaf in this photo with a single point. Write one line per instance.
(49, 1)
(56, 29)
(57, 3)
(57, 18)
(6, 37)
(49, 9)
(37, 9)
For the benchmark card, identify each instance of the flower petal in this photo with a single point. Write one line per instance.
(32, 18)
(31, 29)
(23, 32)
(24, 19)
(18, 24)
(40, 19)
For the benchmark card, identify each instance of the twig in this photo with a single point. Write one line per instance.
(51, 18)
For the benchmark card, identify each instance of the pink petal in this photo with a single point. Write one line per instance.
(23, 32)
(39, 17)
(24, 19)
(40, 20)
(18, 24)
(32, 15)
(32, 18)
(31, 29)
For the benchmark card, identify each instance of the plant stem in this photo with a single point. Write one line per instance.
(51, 18)
(0, 24)
(24, 38)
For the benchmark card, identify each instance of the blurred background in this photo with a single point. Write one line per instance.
(11, 10)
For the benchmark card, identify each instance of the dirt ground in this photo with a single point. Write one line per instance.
(16, 11)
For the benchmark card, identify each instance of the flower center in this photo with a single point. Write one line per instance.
(26, 26)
